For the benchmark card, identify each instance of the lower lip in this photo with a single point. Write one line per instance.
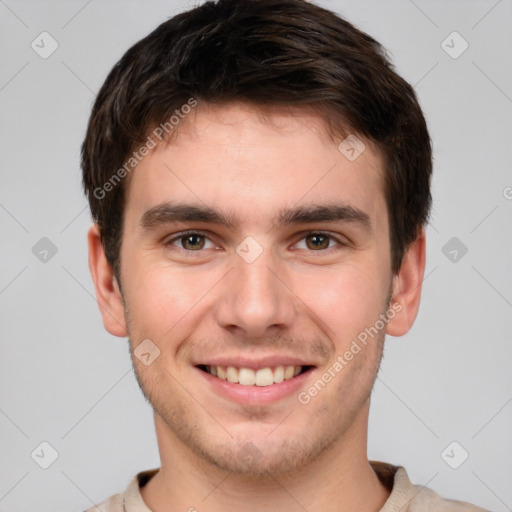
(256, 395)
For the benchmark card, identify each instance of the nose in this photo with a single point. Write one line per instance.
(255, 299)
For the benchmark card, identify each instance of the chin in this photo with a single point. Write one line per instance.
(260, 457)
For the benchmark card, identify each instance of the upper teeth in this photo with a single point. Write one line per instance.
(250, 377)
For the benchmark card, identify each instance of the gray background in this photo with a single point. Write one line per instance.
(64, 380)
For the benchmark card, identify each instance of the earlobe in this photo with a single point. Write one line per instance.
(406, 293)
(108, 294)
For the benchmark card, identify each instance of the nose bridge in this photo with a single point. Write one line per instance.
(254, 298)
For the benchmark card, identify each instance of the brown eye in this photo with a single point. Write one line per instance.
(192, 242)
(317, 241)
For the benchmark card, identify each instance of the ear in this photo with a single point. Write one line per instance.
(406, 291)
(108, 293)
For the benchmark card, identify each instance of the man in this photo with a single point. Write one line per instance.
(259, 178)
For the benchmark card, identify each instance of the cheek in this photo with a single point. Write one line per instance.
(155, 300)
(347, 299)
(164, 300)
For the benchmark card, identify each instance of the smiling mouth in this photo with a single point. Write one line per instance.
(248, 377)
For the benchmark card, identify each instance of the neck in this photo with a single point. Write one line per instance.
(340, 479)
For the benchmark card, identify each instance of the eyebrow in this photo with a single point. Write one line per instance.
(169, 212)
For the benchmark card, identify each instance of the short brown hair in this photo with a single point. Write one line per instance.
(267, 53)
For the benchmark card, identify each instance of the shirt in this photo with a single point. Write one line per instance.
(404, 497)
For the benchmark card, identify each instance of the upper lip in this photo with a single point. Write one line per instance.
(254, 362)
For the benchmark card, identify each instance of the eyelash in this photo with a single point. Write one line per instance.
(184, 234)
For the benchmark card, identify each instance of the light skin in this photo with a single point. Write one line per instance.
(304, 296)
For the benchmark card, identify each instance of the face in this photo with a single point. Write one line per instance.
(254, 256)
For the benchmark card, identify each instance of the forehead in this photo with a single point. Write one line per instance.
(256, 162)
